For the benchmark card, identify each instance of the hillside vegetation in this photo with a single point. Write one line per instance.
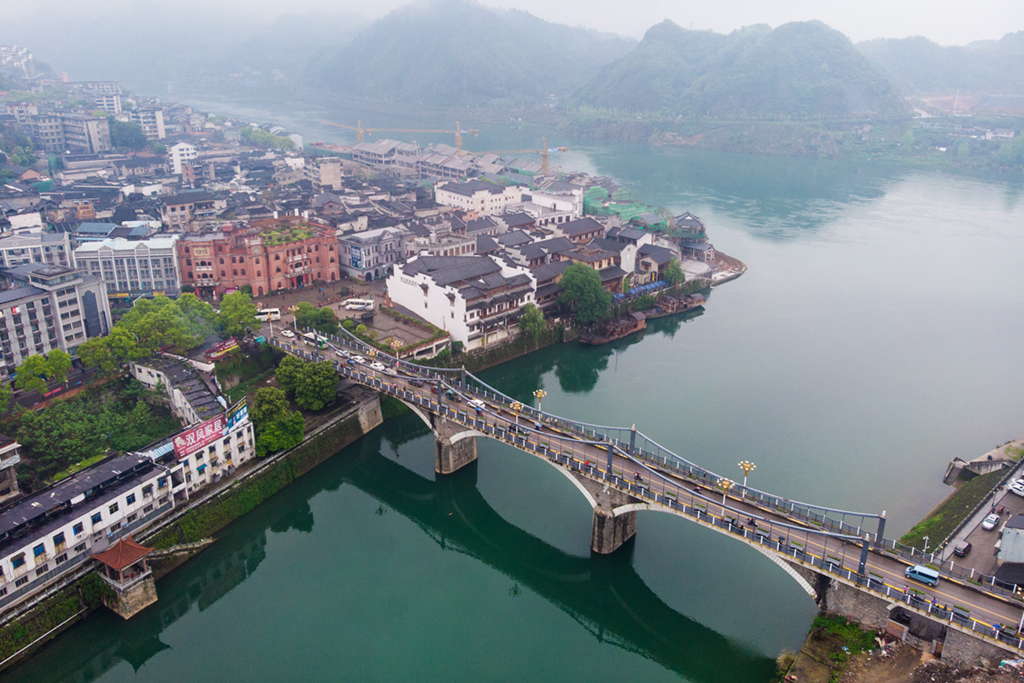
(801, 70)
(919, 66)
(458, 53)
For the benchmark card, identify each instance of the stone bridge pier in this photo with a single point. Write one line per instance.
(454, 445)
(614, 513)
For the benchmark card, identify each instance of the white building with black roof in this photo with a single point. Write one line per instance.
(477, 299)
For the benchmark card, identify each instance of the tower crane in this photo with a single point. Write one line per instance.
(358, 128)
(543, 151)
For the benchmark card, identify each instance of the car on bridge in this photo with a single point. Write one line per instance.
(359, 359)
(478, 404)
(342, 353)
(990, 522)
(288, 333)
(379, 367)
(416, 382)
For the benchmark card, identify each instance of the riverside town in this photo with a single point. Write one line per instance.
(281, 371)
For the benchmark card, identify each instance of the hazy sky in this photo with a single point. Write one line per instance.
(948, 22)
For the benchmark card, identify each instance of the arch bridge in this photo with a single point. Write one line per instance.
(839, 557)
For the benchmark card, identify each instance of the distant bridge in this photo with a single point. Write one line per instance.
(839, 557)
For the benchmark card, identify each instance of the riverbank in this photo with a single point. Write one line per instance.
(83, 593)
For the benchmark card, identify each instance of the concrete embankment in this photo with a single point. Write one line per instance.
(193, 523)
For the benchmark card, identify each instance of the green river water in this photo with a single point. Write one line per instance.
(876, 335)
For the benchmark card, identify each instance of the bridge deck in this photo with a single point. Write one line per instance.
(818, 542)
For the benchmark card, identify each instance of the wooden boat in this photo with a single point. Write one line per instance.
(615, 329)
(668, 305)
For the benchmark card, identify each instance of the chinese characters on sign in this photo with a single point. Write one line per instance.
(203, 435)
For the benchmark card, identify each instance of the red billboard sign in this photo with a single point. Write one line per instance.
(220, 349)
(201, 436)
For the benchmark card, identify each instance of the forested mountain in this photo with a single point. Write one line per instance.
(458, 53)
(919, 66)
(799, 70)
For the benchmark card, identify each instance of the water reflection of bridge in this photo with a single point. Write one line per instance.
(604, 595)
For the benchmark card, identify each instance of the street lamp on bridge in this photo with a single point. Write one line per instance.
(725, 485)
(539, 395)
(747, 468)
(516, 407)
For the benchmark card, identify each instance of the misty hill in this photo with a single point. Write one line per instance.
(454, 53)
(144, 43)
(797, 71)
(920, 66)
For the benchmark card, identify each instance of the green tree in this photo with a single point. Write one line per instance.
(327, 321)
(158, 148)
(110, 353)
(32, 374)
(532, 320)
(349, 324)
(289, 374)
(583, 295)
(5, 398)
(282, 434)
(317, 386)
(126, 135)
(269, 405)
(238, 314)
(59, 364)
(305, 314)
(907, 142)
(964, 150)
(360, 330)
(674, 274)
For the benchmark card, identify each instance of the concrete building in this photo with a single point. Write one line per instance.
(151, 119)
(179, 211)
(218, 261)
(371, 254)
(36, 247)
(179, 154)
(108, 102)
(477, 299)
(54, 531)
(49, 307)
(478, 196)
(133, 268)
(191, 399)
(50, 533)
(10, 456)
(86, 134)
(46, 131)
(324, 173)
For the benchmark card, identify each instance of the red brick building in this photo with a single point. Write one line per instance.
(286, 256)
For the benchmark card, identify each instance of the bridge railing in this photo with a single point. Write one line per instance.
(633, 443)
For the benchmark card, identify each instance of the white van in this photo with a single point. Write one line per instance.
(923, 574)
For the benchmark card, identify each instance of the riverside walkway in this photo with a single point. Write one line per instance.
(840, 558)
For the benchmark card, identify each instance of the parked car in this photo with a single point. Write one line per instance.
(962, 548)
(990, 522)
(1018, 488)
(379, 367)
(288, 333)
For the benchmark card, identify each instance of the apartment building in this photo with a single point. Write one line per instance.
(371, 254)
(130, 268)
(49, 307)
(180, 155)
(478, 196)
(36, 247)
(151, 119)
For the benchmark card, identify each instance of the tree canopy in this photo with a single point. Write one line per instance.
(238, 314)
(311, 385)
(322, 319)
(532, 320)
(583, 295)
(161, 322)
(674, 274)
(277, 428)
(36, 371)
(126, 135)
(110, 353)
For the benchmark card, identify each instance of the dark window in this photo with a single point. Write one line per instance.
(78, 528)
(130, 499)
(58, 539)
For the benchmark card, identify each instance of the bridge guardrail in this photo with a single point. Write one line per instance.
(625, 439)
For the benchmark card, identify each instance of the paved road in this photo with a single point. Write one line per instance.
(988, 609)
